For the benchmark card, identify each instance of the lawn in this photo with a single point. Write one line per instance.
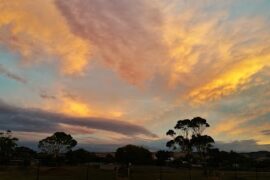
(138, 173)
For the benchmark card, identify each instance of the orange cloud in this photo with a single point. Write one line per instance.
(247, 124)
(78, 108)
(36, 28)
(124, 34)
(167, 46)
(233, 79)
(211, 56)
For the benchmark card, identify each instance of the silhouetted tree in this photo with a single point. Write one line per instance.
(187, 134)
(162, 157)
(198, 125)
(181, 136)
(80, 156)
(109, 158)
(25, 154)
(8, 143)
(230, 160)
(133, 154)
(202, 143)
(58, 143)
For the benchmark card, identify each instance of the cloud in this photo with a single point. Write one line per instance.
(266, 132)
(38, 32)
(45, 95)
(124, 33)
(142, 40)
(244, 115)
(242, 146)
(73, 105)
(235, 79)
(209, 56)
(213, 55)
(34, 120)
(183, 53)
(11, 75)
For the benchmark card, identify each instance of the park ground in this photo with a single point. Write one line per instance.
(138, 173)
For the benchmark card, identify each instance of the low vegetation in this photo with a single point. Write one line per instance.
(192, 156)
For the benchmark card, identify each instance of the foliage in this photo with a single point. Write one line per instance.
(58, 143)
(202, 143)
(133, 154)
(187, 135)
(163, 156)
(109, 158)
(80, 156)
(24, 152)
(8, 143)
(231, 160)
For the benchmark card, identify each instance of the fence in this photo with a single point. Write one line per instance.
(94, 172)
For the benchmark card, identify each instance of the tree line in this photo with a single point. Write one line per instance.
(187, 137)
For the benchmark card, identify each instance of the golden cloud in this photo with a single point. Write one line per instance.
(212, 56)
(76, 107)
(248, 123)
(36, 28)
(141, 40)
(236, 78)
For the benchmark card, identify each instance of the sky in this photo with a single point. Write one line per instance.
(115, 72)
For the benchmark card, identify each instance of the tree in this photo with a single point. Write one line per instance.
(202, 143)
(8, 143)
(162, 157)
(198, 125)
(181, 136)
(58, 143)
(109, 158)
(133, 154)
(80, 156)
(25, 154)
(187, 135)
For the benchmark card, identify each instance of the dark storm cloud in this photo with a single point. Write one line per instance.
(10, 75)
(35, 120)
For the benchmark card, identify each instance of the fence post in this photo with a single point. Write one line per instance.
(87, 171)
(256, 171)
(38, 170)
(235, 171)
(160, 173)
(189, 172)
(115, 172)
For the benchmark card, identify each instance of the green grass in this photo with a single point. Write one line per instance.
(138, 173)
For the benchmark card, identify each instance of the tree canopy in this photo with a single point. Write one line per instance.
(133, 154)
(8, 143)
(188, 135)
(57, 144)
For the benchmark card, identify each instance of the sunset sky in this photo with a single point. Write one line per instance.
(112, 72)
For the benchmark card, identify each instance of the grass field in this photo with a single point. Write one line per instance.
(138, 173)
